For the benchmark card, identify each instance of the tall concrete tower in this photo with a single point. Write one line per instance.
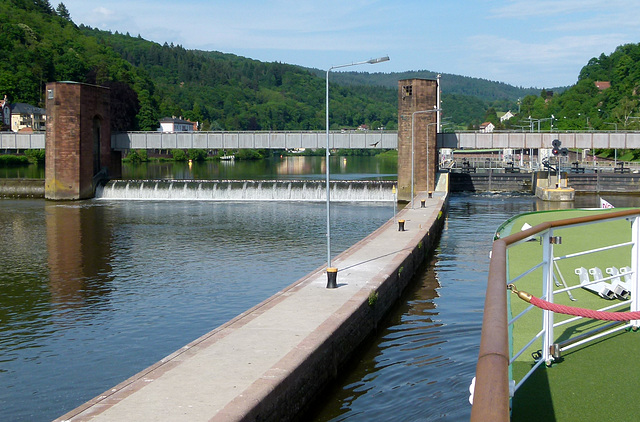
(417, 129)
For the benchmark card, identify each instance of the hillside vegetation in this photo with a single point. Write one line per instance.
(585, 106)
(40, 43)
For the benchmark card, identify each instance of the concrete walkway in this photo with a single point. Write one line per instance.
(267, 363)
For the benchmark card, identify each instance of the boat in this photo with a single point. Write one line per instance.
(558, 340)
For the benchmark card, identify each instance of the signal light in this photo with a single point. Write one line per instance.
(556, 147)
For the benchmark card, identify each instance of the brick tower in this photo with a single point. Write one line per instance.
(417, 118)
(78, 139)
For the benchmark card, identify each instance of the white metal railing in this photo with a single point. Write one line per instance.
(491, 387)
(550, 282)
(517, 140)
(254, 140)
(346, 139)
(14, 140)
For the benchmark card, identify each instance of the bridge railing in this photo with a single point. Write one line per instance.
(526, 140)
(339, 139)
(254, 140)
(17, 141)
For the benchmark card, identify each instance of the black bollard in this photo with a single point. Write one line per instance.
(430, 194)
(422, 203)
(400, 225)
(332, 274)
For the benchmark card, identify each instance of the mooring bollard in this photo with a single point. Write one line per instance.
(332, 274)
(422, 203)
(430, 194)
(400, 225)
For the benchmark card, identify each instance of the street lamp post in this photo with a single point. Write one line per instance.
(429, 124)
(413, 115)
(371, 61)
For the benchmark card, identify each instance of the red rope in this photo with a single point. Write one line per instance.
(586, 313)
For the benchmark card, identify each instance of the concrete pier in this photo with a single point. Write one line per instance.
(272, 361)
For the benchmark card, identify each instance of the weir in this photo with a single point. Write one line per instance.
(247, 190)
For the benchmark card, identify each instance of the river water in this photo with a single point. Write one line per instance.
(273, 168)
(92, 292)
(420, 363)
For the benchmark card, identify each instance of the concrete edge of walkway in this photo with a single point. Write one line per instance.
(290, 386)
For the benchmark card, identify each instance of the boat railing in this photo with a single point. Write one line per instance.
(491, 389)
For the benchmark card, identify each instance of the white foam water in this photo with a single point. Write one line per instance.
(247, 190)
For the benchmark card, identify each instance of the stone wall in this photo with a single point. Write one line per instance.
(491, 182)
(605, 183)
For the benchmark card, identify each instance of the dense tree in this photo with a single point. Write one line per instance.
(63, 12)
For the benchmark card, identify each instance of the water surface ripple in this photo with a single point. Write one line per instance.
(421, 362)
(92, 292)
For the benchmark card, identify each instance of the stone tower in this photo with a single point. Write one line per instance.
(78, 139)
(417, 120)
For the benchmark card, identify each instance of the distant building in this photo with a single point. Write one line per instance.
(602, 85)
(487, 127)
(5, 114)
(174, 124)
(25, 117)
(505, 116)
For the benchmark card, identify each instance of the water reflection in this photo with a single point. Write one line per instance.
(92, 292)
(420, 364)
(273, 168)
(32, 171)
(78, 251)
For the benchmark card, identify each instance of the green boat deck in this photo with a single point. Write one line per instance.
(592, 382)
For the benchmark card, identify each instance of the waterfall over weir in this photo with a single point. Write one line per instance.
(247, 190)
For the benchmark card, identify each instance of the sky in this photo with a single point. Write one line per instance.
(528, 43)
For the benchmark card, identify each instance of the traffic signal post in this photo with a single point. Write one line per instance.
(550, 184)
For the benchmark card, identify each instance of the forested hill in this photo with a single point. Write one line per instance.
(40, 43)
(451, 84)
(590, 104)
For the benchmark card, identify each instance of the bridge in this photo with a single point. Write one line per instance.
(124, 141)
(526, 140)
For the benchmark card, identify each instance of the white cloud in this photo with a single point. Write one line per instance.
(104, 12)
(526, 9)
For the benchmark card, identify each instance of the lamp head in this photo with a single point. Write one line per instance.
(378, 60)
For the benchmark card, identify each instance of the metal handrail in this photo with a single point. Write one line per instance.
(491, 392)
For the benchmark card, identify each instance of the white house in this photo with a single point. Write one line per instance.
(487, 127)
(5, 110)
(174, 124)
(506, 116)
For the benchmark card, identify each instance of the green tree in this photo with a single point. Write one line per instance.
(625, 109)
(63, 12)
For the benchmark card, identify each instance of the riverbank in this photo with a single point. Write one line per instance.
(271, 361)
